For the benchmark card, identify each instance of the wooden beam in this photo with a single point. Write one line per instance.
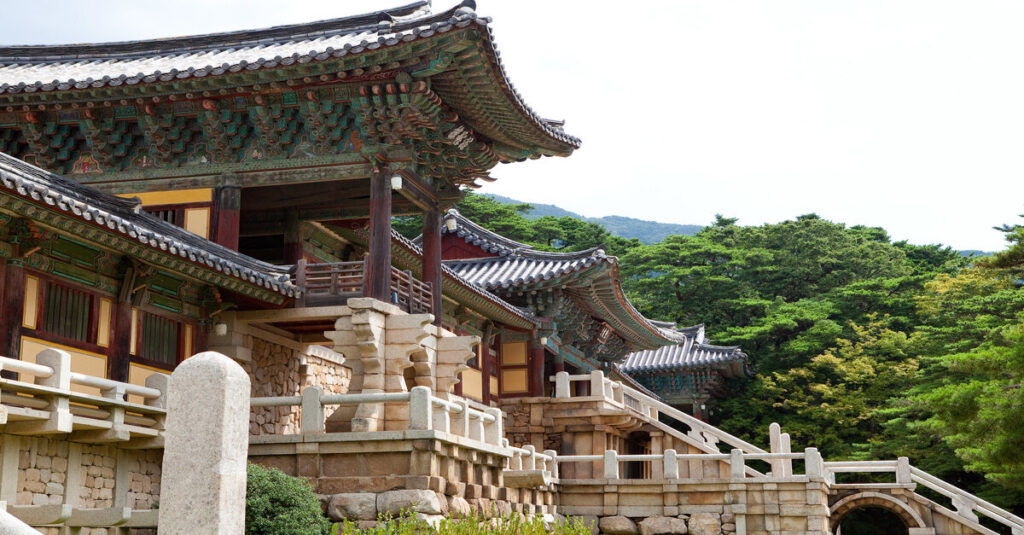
(432, 259)
(378, 271)
(417, 190)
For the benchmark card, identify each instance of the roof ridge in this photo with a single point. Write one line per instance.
(234, 38)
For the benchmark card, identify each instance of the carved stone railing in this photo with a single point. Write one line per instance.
(335, 282)
(47, 405)
(610, 460)
(633, 401)
(426, 412)
(966, 506)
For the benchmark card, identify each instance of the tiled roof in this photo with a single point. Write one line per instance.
(522, 267)
(45, 68)
(125, 217)
(691, 353)
(455, 277)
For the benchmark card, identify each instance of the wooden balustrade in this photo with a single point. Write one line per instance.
(333, 283)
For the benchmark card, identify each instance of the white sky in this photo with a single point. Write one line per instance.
(896, 113)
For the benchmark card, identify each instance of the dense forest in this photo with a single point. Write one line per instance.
(863, 347)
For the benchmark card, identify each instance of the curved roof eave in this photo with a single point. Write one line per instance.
(50, 68)
(124, 217)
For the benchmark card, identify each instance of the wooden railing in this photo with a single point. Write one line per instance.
(333, 283)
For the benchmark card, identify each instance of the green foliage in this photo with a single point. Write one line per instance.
(545, 233)
(278, 504)
(412, 524)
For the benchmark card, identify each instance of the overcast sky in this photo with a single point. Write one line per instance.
(903, 114)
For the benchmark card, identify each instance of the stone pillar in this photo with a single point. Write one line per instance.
(206, 445)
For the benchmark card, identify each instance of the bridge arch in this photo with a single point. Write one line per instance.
(875, 499)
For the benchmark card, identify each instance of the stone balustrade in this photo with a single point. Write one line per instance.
(426, 412)
(49, 404)
(965, 506)
(76, 459)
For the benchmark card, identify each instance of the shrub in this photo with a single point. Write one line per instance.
(278, 504)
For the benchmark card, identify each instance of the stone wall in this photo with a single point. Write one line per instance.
(277, 370)
(274, 371)
(54, 471)
(42, 471)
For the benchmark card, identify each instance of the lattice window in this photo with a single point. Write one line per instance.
(160, 339)
(66, 312)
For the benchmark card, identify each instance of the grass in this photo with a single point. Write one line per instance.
(412, 524)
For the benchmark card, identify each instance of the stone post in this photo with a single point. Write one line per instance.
(562, 385)
(597, 383)
(903, 471)
(530, 460)
(60, 406)
(787, 464)
(775, 445)
(312, 418)
(737, 468)
(812, 463)
(206, 445)
(494, 431)
(611, 464)
(554, 462)
(420, 408)
(670, 464)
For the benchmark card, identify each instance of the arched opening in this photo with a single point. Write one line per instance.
(873, 513)
(869, 520)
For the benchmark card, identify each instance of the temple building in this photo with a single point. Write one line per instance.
(234, 193)
(689, 374)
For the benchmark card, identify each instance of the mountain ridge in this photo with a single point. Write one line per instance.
(646, 231)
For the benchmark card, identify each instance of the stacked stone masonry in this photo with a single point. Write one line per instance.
(276, 370)
(42, 471)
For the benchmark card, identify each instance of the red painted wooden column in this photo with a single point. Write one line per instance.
(432, 259)
(229, 205)
(485, 364)
(292, 237)
(120, 343)
(11, 308)
(536, 367)
(379, 269)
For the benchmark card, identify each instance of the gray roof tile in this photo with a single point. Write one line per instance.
(126, 217)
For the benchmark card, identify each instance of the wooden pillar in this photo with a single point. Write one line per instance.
(120, 343)
(432, 259)
(11, 308)
(292, 237)
(485, 363)
(379, 269)
(229, 205)
(536, 371)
